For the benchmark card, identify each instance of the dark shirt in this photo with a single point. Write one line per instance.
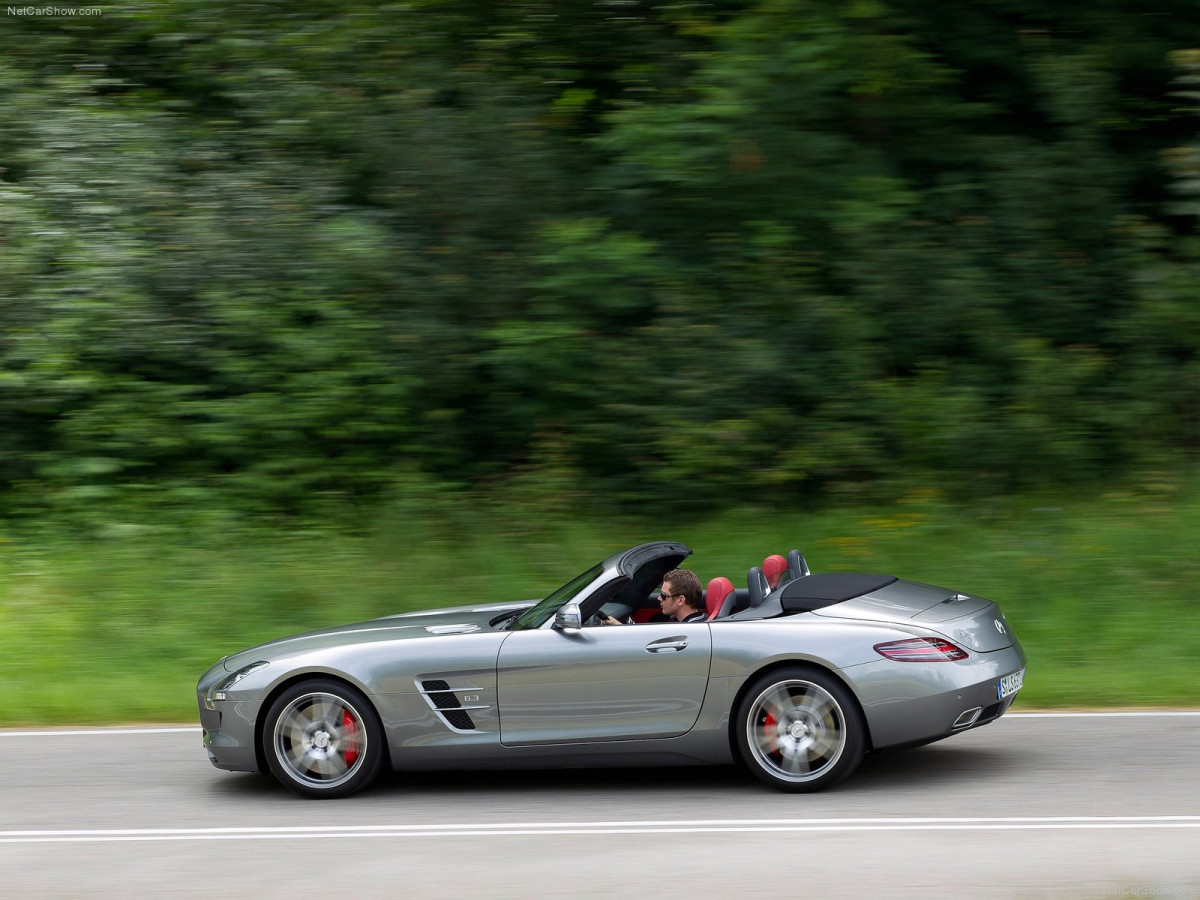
(697, 616)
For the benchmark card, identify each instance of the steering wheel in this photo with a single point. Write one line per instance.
(619, 611)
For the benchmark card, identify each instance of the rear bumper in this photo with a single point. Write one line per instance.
(912, 703)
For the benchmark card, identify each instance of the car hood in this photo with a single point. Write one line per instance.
(421, 624)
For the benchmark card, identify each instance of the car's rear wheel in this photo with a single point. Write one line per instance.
(322, 738)
(799, 729)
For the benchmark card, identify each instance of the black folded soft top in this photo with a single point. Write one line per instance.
(827, 588)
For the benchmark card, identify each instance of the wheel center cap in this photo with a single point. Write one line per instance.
(798, 730)
(321, 740)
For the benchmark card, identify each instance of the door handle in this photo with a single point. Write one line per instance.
(666, 644)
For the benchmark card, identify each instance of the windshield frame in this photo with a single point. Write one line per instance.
(537, 616)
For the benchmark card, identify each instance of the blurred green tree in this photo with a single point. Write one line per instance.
(278, 256)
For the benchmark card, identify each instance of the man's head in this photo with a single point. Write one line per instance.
(680, 593)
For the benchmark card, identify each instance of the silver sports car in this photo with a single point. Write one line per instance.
(797, 674)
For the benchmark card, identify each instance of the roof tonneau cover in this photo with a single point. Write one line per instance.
(827, 588)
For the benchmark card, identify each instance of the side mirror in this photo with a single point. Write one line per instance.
(568, 619)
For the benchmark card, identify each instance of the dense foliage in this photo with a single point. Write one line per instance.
(272, 253)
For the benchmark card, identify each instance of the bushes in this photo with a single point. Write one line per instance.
(273, 259)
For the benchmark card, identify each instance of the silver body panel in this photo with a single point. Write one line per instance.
(454, 691)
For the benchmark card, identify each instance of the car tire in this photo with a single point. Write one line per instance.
(799, 729)
(322, 738)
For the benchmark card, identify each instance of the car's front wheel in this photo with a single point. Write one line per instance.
(799, 729)
(322, 738)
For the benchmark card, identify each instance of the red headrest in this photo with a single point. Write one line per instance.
(714, 596)
(773, 567)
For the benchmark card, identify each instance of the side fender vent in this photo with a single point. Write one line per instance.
(456, 718)
(444, 700)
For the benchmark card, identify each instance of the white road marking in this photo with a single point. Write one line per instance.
(60, 732)
(303, 832)
(1114, 714)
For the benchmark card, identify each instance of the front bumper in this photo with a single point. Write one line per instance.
(228, 726)
(229, 735)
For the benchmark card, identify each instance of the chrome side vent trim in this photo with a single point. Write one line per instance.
(443, 699)
(458, 719)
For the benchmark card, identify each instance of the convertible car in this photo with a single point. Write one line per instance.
(798, 675)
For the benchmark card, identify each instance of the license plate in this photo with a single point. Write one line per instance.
(1010, 684)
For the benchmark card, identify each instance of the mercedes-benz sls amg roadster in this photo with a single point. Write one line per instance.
(798, 675)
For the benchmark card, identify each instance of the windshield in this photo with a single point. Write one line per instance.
(537, 615)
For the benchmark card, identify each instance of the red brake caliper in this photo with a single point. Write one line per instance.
(349, 738)
(769, 724)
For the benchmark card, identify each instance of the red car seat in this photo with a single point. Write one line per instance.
(715, 595)
(773, 567)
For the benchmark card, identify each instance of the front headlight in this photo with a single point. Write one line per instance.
(218, 691)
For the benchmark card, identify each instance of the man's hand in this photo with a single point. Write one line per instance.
(609, 620)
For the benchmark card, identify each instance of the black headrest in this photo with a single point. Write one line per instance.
(797, 564)
(756, 581)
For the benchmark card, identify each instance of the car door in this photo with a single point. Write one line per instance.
(604, 683)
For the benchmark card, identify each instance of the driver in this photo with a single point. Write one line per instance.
(679, 598)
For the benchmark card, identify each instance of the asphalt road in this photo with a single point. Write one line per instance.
(1057, 806)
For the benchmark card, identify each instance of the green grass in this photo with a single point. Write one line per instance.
(1101, 588)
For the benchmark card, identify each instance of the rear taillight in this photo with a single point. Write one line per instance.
(924, 649)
